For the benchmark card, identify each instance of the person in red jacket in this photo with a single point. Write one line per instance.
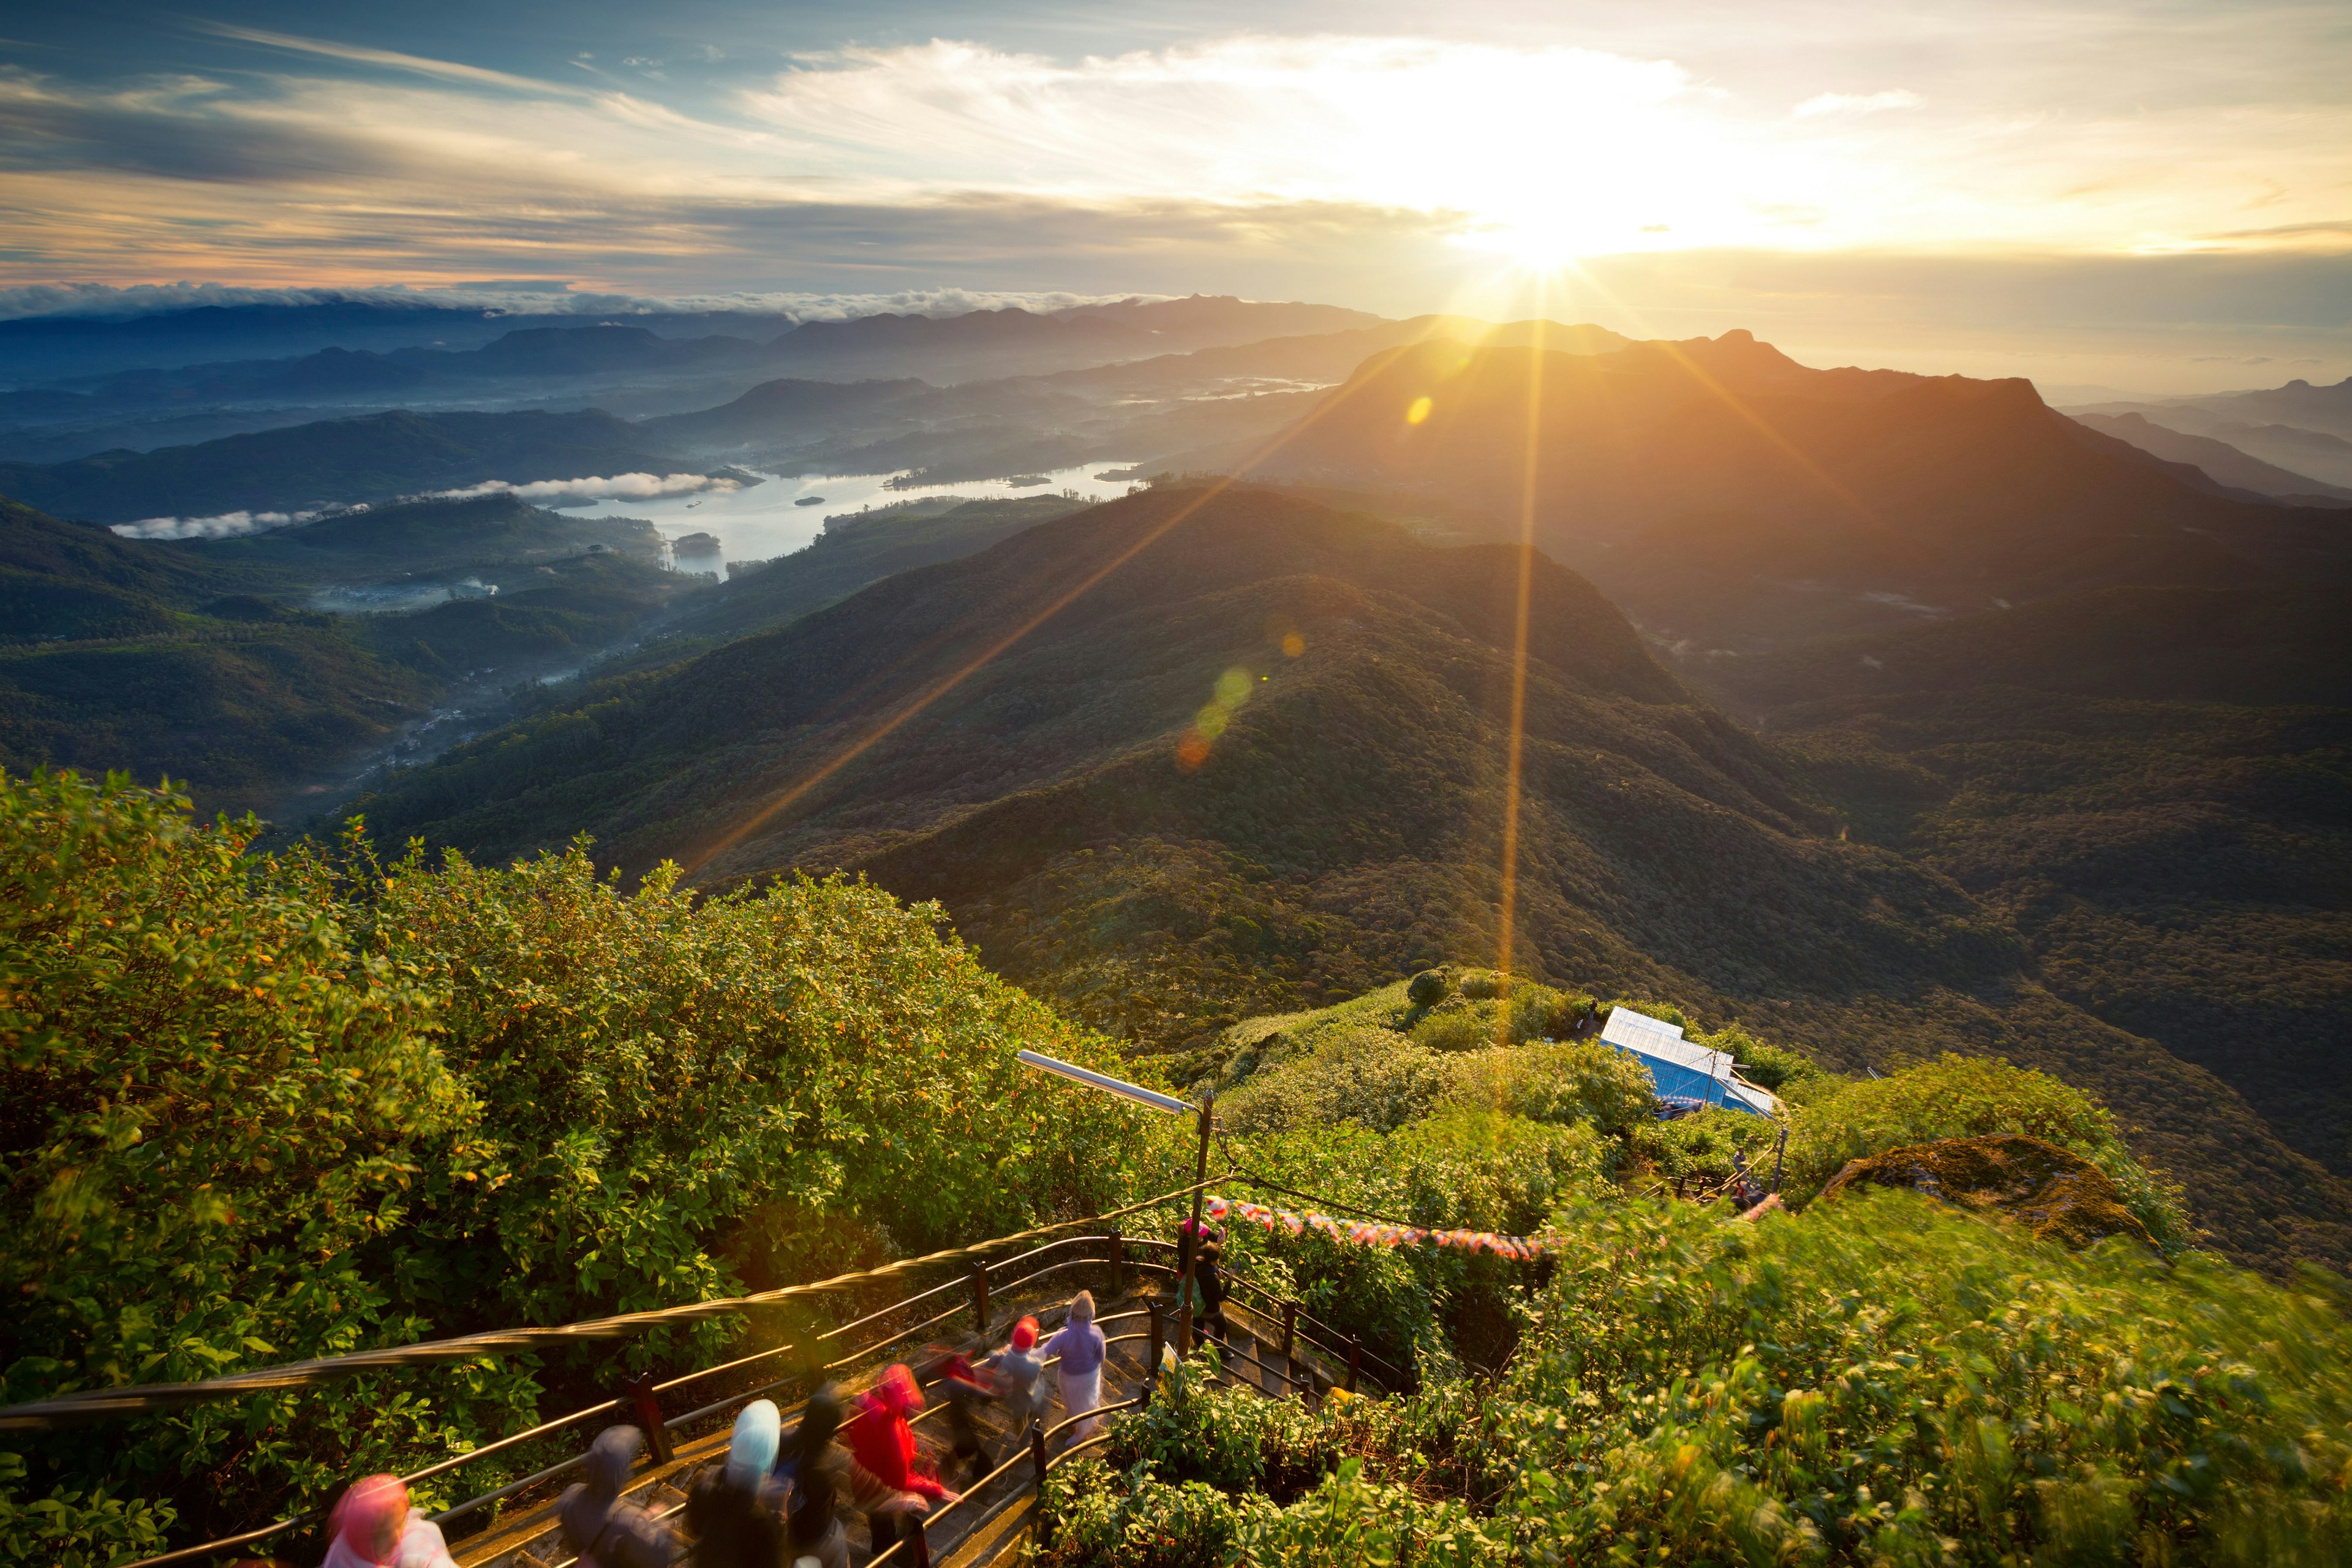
(882, 1444)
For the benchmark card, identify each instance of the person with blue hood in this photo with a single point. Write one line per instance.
(734, 1511)
(601, 1530)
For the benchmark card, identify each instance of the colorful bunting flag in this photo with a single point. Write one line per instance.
(1372, 1233)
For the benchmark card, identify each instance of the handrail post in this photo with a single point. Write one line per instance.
(1152, 1351)
(1038, 1458)
(980, 1300)
(1189, 1237)
(1355, 1363)
(1118, 1264)
(638, 1394)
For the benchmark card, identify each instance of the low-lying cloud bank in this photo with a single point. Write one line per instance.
(612, 487)
(534, 297)
(618, 487)
(225, 525)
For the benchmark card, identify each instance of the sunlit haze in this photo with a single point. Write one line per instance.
(2149, 193)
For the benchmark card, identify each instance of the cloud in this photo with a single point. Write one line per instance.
(447, 70)
(225, 525)
(1853, 105)
(539, 297)
(618, 487)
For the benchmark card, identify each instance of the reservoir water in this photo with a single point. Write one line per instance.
(767, 520)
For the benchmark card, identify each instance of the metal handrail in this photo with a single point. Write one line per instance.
(545, 1428)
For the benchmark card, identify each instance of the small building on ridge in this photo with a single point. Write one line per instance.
(1688, 1077)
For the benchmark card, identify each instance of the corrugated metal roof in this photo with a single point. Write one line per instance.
(1648, 1037)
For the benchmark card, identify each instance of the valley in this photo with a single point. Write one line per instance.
(1198, 752)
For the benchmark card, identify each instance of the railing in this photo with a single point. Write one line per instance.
(640, 1401)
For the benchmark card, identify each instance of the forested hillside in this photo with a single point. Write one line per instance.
(2153, 786)
(1261, 763)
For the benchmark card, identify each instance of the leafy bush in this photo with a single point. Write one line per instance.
(1480, 984)
(1542, 1013)
(1461, 1167)
(1775, 1067)
(1428, 988)
(263, 1109)
(1459, 1028)
(1557, 1083)
(1372, 1077)
(1695, 1150)
(1881, 1380)
(1965, 1097)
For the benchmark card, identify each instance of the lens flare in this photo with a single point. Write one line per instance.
(1419, 411)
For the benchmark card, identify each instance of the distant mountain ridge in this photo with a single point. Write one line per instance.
(1006, 342)
(336, 462)
(2219, 460)
(1725, 494)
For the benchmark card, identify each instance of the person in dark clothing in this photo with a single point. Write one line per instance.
(817, 1473)
(1209, 1282)
(735, 1509)
(961, 1386)
(601, 1530)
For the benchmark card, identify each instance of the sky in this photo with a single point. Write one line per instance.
(2152, 196)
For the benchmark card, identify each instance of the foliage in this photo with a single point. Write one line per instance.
(1882, 1381)
(671, 1070)
(1963, 1097)
(222, 1116)
(1560, 1083)
(1462, 1167)
(1459, 1028)
(262, 1109)
(1370, 1077)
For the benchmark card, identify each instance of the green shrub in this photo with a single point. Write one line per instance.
(1373, 1077)
(1966, 1097)
(1465, 1028)
(1542, 1013)
(265, 1108)
(1884, 1381)
(1557, 1083)
(1428, 988)
(1479, 984)
(1695, 1150)
(1774, 1067)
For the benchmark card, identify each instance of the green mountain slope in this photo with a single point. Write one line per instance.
(200, 661)
(335, 461)
(2154, 787)
(1142, 803)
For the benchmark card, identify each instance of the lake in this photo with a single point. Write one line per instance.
(766, 521)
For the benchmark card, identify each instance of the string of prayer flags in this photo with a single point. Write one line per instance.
(1372, 1233)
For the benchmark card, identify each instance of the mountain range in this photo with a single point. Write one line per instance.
(1885, 713)
(1194, 755)
(2303, 429)
(1726, 495)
